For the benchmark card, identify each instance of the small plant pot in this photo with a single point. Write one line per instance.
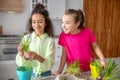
(24, 72)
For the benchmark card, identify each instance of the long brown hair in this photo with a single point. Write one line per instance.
(40, 9)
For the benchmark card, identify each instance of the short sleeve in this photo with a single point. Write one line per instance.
(92, 36)
(61, 40)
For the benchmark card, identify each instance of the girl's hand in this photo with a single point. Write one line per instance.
(56, 73)
(29, 55)
(20, 50)
(103, 63)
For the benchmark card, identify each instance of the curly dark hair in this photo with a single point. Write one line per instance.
(40, 9)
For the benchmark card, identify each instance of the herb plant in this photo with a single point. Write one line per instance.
(96, 69)
(25, 44)
(74, 69)
(110, 73)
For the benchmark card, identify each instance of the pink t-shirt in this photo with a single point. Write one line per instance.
(78, 47)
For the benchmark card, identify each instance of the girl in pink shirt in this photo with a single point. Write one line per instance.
(77, 41)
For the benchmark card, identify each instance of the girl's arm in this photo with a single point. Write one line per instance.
(99, 53)
(62, 62)
(20, 50)
(32, 55)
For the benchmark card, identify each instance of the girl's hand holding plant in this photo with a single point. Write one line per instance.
(23, 47)
(25, 44)
(103, 63)
(20, 50)
(112, 72)
(29, 55)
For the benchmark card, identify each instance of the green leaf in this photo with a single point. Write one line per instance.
(73, 68)
(112, 72)
(25, 43)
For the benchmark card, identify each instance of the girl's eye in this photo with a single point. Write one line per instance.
(67, 23)
(37, 22)
(40, 22)
(34, 22)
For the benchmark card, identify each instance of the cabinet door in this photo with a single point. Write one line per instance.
(57, 55)
(58, 50)
(56, 8)
(34, 2)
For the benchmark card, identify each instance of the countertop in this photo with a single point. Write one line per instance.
(8, 70)
(66, 77)
(84, 75)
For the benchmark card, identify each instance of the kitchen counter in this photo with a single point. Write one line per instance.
(65, 77)
(44, 78)
(83, 76)
(7, 70)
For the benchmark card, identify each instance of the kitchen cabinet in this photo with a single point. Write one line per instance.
(12, 5)
(56, 8)
(57, 29)
(58, 50)
(57, 55)
(8, 70)
(34, 2)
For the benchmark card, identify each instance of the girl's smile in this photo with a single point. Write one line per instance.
(69, 25)
(38, 23)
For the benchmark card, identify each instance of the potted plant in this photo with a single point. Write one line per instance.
(73, 68)
(72, 73)
(111, 72)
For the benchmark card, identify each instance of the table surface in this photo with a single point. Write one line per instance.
(8, 70)
(83, 74)
(82, 77)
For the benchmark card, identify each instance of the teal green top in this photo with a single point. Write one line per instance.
(42, 45)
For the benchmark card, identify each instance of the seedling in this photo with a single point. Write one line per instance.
(25, 43)
(74, 69)
(110, 73)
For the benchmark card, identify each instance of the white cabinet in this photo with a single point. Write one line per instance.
(57, 55)
(58, 50)
(55, 8)
(57, 29)
(8, 70)
(34, 2)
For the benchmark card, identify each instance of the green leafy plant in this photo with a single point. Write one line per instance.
(25, 43)
(110, 73)
(74, 69)
(24, 68)
(96, 69)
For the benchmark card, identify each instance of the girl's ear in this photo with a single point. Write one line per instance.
(77, 24)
